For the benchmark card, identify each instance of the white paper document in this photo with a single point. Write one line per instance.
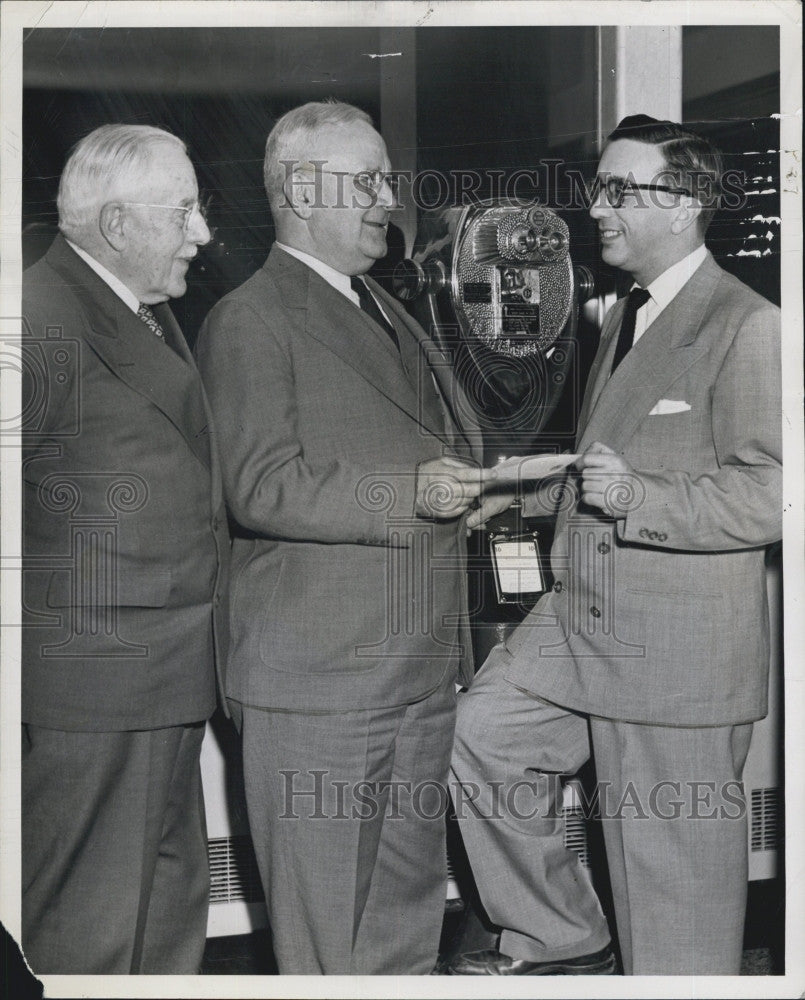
(531, 466)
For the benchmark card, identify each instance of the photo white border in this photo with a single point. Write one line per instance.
(19, 17)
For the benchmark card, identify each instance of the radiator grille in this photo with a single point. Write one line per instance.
(234, 875)
(576, 834)
(766, 828)
(233, 870)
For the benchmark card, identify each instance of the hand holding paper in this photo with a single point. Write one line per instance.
(445, 487)
(491, 504)
(605, 476)
(526, 467)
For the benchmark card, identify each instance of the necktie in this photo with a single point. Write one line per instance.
(371, 308)
(150, 320)
(637, 297)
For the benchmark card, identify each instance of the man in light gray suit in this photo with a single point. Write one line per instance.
(348, 470)
(653, 645)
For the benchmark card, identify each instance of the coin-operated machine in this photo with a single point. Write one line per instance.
(495, 286)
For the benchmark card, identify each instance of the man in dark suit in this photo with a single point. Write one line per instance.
(125, 555)
(653, 645)
(347, 464)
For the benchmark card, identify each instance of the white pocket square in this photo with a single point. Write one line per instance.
(666, 406)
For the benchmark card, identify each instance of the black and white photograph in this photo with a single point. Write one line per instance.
(401, 455)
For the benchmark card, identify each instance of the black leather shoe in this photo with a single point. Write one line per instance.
(492, 963)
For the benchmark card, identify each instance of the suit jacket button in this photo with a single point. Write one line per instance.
(662, 537)
(643, 532)
(557, 587)
(595, 612)
(603, 548)
(652, 536)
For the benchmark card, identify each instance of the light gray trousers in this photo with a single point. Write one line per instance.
(674, 821)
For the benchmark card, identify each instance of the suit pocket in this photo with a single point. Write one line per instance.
(670, 441)
(133, 589)
(326, 612)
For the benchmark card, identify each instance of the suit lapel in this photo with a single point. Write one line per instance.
(209, 456)
(425, 365)
(599, 371)
(130, 350)
(669, 347)
(351, 335)
(458, 412)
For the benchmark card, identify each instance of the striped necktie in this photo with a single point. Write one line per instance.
(150, 320)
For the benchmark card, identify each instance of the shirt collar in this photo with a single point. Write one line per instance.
(335, 278)
(122, 291)
(664, 288)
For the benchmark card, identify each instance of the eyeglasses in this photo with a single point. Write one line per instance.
(201, 206)
(616, 189)
(368, 181)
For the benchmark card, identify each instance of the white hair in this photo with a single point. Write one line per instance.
(292, 136)
(106, 161)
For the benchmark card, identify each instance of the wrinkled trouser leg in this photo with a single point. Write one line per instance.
(510, 751)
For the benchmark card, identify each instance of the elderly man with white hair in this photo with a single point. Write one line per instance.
(124, 571)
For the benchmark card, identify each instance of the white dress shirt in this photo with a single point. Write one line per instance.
(122, 291)
(339, 281)
(665, 288)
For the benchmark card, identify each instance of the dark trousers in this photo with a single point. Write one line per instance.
(114, 851)
(347, 815)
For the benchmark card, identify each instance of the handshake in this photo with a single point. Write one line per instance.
(447, 488)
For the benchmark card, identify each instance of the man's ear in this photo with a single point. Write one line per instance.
(112, 225)
(686, 215)
(298, 191)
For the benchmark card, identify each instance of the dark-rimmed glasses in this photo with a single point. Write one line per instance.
(616, 188)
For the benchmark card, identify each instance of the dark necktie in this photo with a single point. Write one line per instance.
(637, 297)
(150, 320)
(371, 308)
